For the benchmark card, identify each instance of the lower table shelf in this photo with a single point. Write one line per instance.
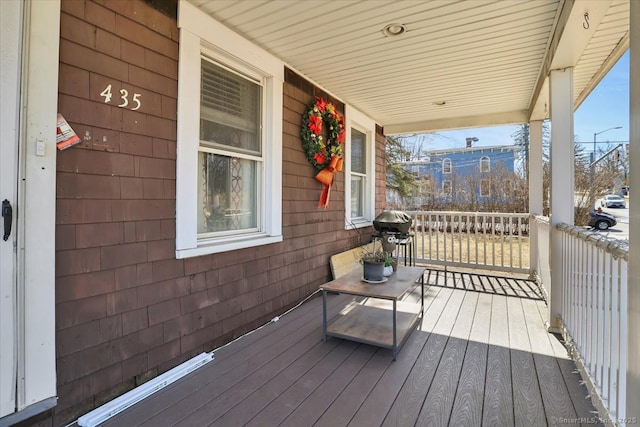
(373, 324)
(385, 317)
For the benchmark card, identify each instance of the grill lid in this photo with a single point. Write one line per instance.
(392, 222)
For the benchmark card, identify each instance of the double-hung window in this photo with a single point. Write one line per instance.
(360, 169)
(485, 164)
(229, 148)
(446, 166)
(446, 188)
(230, 159)
(358, 157)
(485, 188)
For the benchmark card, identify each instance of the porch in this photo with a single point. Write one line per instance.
(477, 358)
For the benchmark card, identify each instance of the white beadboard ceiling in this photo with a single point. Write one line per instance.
(487, 60)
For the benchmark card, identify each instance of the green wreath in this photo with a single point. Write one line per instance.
(318, 150)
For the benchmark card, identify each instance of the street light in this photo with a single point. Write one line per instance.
(594, 140)
(593, 156)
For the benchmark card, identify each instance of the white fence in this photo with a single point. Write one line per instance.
(491, 241)
(594, 313)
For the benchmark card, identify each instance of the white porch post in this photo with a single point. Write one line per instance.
(535, 187)
(562, 203)
(633, 352)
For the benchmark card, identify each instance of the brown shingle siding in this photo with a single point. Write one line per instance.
(91, 235)
(83, 57)
(134, 320)
(126, 308)
(95, 163)
(136, 144)
(80, 286)
(125, 254)
(77, 30)
(163, 311)
(74, 81)
(77, 261)
(100, 16)
(76, 312)
(122, 301)
(108, 43)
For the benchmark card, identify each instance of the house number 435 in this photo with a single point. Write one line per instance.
(124, 98)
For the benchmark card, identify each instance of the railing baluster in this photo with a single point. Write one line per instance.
(502, 234)
(610, 328)
(615, 341)
(622, 324)
(468, 241)
(590, 312)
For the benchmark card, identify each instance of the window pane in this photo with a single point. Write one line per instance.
(229, 110)
(357, 194)
(446, 166)
(484, 164)
(446, 188)
(227, 193)
(358, 151)
(485, 189)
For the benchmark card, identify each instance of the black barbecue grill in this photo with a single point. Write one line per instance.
(395, 224)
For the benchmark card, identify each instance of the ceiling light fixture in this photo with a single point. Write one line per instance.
(393, 30)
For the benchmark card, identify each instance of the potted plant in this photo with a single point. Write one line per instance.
(390, 264)
(373, 266)
(377, 264)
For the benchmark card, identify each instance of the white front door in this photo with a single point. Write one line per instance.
(11, 63)
(29, 92)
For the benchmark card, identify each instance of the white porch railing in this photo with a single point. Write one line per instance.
(540, 263)
(491, 241)
(594, 313)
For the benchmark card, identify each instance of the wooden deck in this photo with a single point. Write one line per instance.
(476, 359)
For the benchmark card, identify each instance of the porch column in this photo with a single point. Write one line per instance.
(535, 167)
(535, 188)
(562, 181)
(633, 352)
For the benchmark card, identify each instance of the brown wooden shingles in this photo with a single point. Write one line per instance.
(476, 359)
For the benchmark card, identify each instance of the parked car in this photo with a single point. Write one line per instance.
(601, 220)
(612, 201)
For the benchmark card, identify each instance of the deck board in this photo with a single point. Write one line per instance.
(555, 395)
(314, 405)
(376, 406)
(407, 406)
(498, 398)
(467, 407)
(439, 401)
(475, 358)
(528, 407)
(290, 399)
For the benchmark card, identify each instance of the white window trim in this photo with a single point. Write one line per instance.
(445, 161)
(200, 33)
(488, 187)
(450, 194)
(356, 119)
(488, 163)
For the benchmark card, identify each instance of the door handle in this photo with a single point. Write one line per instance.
(7, 214)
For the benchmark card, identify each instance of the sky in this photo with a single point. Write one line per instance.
(607, 106)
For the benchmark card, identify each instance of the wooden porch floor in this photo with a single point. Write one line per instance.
(476, 359)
